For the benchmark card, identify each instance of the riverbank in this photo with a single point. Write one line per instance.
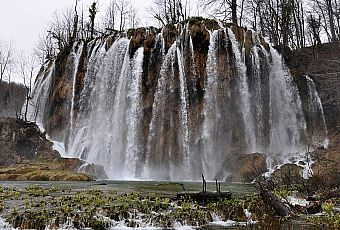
(153, 205)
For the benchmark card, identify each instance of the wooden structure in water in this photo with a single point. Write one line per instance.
(204, 196)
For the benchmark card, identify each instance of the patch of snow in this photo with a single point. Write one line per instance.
(293, 200)
(5, 226)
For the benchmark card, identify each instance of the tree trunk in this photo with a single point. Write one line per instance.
(273, 201)
(331, 19)
(234, 11)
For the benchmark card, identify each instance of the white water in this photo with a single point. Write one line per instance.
(213, 156)
(286, 117)
(75, 55)
(184, 114)
(246, 108)
(101, 133)
(134, 147)
(317, 116)
(156, 164)
(243, 89)
(40, 92)
(5, 226)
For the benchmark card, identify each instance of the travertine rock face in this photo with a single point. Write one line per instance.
(322, 64)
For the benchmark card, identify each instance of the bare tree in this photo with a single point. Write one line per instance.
(314, 25)
(124, 9)
(26, 69)
(223, 9)
(133, 18)
(93, 12)
(169, 11)
(7, 60)
(328, 10)
(110, 16)
(63, 29)
(45, 49)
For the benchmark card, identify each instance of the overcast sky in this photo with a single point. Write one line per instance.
(22, 21)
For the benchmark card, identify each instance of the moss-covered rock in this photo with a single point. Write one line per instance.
(288, 174)
(247, 167)
(26, 154)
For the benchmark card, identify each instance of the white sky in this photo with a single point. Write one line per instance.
(23, 21)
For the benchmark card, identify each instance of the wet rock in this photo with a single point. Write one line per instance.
(26, 154)
(247, 167)
(288, 174)
(321, 63)
(314, 207)
(326, 169)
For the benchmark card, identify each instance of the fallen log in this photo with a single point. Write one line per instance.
(273, 201)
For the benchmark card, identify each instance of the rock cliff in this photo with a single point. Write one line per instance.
(26, 154)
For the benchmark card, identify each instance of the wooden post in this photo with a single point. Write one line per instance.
(216, 185)
(204, 184)
(183, 187)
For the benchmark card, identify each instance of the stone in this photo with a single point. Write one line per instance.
(26, 154)
(247, 167)
(288, 174)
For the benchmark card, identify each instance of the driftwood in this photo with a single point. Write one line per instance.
(274, 202)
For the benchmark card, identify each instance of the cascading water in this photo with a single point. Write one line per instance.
(36, 107)
(184, 111)
(142, 114)
(104, 134)
(316, 116)
(286, 117)
(134, 147)
(75, 55)
(215, 120)
(243, 89)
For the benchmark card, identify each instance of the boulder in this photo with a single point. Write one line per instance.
(288, 174)
(26, 154)
(247, 167)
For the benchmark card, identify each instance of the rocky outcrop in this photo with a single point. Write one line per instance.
(322, 64)
(26, 154)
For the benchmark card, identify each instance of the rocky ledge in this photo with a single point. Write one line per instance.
(26, 154)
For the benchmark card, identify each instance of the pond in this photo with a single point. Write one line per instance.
(30, 199)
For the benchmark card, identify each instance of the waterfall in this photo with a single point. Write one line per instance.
(78, 144)
(255, 77)
(76, 56)
(102, 128)
(286, 117)
(215, 138)
(169, 108)
(134, 149)
(159, 158)
(37, 105)
(318, 129)
(184, 112)
(243, 92)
